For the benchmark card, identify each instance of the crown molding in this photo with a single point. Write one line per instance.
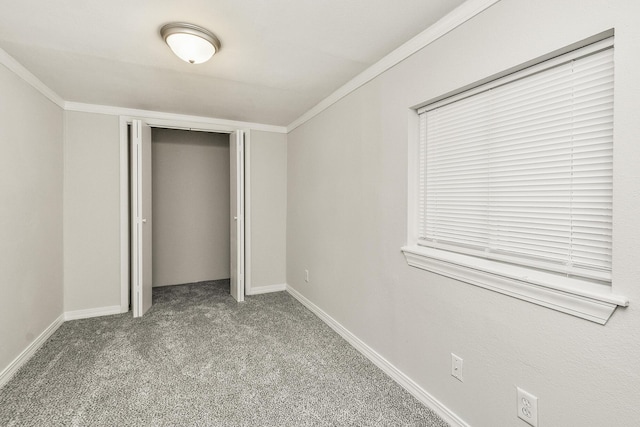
(457, 17)
(18, 69)
(26, 75)
(449, 22)
(159, 116)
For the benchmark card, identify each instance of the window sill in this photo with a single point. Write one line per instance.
(568, 295)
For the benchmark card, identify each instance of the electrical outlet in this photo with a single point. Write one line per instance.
(306, 276)
(456, 367)
(527, 407)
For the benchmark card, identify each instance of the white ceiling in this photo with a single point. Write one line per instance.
(278, 59)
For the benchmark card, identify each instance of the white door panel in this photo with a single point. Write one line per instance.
(236, 157)
(141, 218)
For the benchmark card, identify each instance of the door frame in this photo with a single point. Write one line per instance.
(201, 126)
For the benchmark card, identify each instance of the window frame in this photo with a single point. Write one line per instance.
(579, 297)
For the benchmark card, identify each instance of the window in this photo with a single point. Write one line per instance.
(515, 179)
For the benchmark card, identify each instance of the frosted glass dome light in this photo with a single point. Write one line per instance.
(189, 42)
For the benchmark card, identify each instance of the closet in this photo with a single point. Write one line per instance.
(186, 209)
(190, 203)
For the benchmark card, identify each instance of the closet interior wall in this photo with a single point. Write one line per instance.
(190, 178)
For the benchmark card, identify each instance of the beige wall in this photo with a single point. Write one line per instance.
(91, 211)
(31, 289)
(267, 215)
(347, 219)
(190, 206)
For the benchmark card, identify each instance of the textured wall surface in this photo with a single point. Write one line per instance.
(31, 289)
(190, 206)
(92, 167)
(91, 211)
(268, 211)
(347, 219)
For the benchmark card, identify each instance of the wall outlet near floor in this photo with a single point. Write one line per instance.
(527, 407)
(456, 367)
(306, 276)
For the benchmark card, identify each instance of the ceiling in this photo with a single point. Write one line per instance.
(278, 59)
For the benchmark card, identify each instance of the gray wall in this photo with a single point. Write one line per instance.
(91, 211)
(347, 219)
(31, 289)
(92, 167)
(268, 208)
(190, 206)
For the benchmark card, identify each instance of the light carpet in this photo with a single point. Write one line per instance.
(198, 358)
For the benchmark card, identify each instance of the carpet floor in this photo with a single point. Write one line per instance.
(198, 358)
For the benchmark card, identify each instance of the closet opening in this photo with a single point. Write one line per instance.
(190, 205)
(185, 220)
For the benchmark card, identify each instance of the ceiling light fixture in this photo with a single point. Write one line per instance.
(189, 42)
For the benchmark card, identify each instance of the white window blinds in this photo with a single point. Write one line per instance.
(520, 170)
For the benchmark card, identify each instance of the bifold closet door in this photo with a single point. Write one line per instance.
(141, 225)
(236, 157)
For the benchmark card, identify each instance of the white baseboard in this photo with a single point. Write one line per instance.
(92, 312)
(26, 354)
(266, 289)
(398, 376)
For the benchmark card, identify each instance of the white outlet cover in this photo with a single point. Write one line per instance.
(456, 367)
(527, 407)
